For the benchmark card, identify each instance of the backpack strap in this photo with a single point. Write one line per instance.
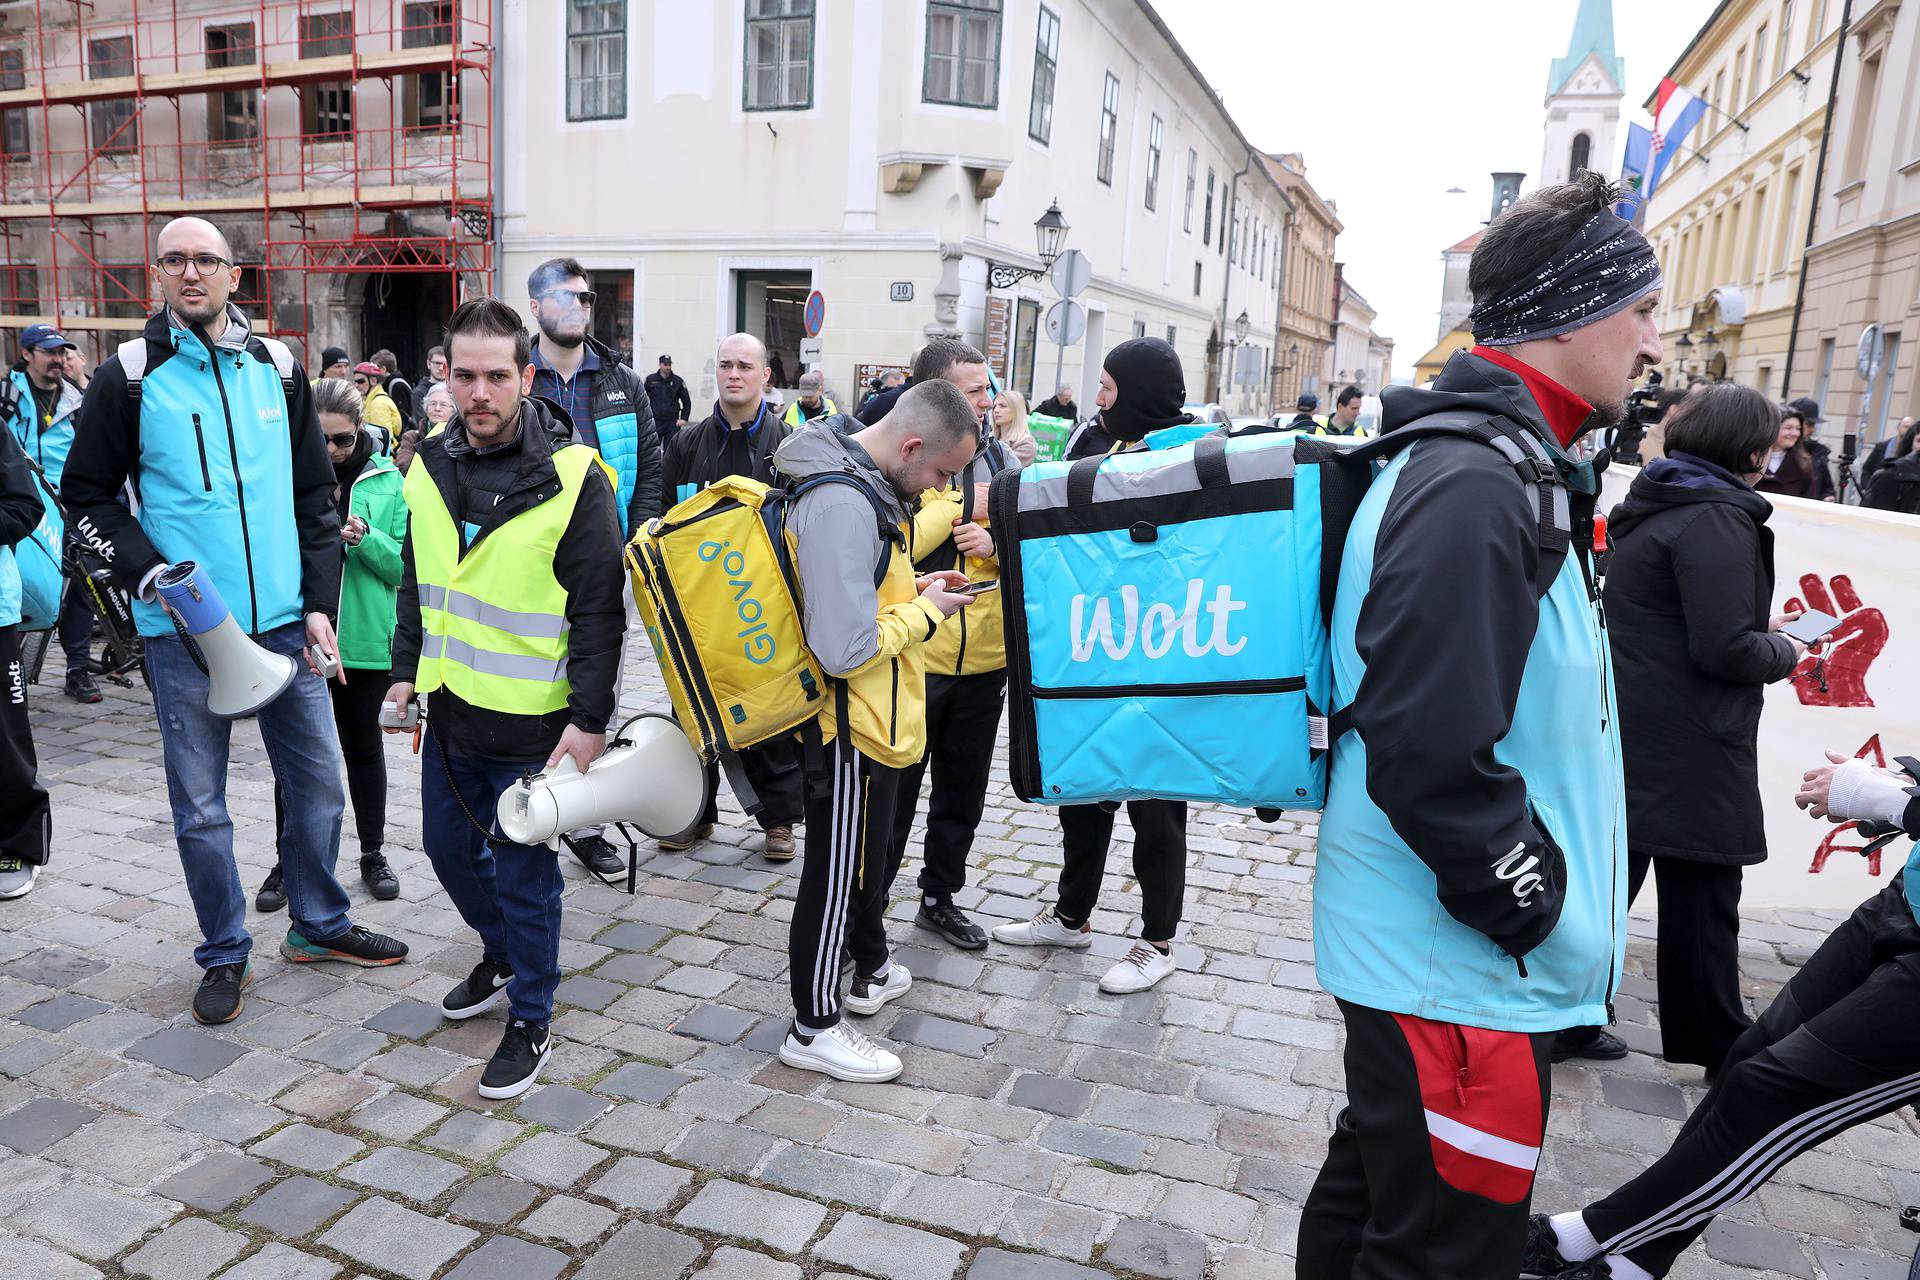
(283, 361)
(890, 535)
(133, 363)
(9, 398)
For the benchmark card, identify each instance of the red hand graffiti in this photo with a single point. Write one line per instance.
(1847, 652)
(1830, 845)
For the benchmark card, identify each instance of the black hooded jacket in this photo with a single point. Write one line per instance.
(1896, 485)
(1688, 594)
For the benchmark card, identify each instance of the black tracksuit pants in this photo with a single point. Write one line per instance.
(1159, 862)
(1701, 1012)
(842, 899)
(773, 769)
(963, 719)
(26, 822)
(1430, 1169)
(1839, 1046)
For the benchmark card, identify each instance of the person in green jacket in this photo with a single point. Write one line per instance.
(373, 526)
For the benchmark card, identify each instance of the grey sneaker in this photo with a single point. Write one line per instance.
(17, 876)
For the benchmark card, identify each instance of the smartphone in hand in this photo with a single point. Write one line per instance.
(977, 588)
(1810, 627)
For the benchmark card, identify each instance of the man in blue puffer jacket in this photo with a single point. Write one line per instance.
(608, 405)
(215, 427)
(45, 403)
(1469, 895)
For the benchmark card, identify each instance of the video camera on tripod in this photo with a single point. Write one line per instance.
(1643, 411)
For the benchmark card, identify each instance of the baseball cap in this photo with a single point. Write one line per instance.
(1808, 408)
(332, 356)
(666, 359)
(44, 337)
(1307, 401)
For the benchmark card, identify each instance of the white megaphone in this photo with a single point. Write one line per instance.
(241, 676)
(650, 777)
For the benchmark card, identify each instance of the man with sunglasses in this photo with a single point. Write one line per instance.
(216, 429)
(607, 405)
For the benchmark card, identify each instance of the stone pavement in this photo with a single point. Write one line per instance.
(1043, 1131)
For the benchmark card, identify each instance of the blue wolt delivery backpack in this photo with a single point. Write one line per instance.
(1167, 611)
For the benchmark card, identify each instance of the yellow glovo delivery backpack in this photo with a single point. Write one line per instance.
(716, 586)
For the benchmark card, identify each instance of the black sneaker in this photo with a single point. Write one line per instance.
(219, 1000)
(80, 686)
(1542, 1259)
(597, 854)
(516, 1064)
(1595, 1043)
(273, 894)
(484, 988)
(356, 946)
(951, 923)
(379, 877)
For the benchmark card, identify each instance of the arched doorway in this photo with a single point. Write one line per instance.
(1580, 157)
(405, 312)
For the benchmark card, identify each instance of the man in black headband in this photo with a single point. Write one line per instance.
(1469, 898)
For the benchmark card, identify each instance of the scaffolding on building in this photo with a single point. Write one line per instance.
(340, 137)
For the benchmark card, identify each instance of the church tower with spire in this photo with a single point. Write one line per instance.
(1583, 99)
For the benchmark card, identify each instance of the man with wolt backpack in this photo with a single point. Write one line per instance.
(1469, 899)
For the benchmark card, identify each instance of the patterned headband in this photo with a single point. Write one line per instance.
(1607, 267)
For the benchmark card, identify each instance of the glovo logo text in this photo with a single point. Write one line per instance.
(756, 642)
(1158, 627)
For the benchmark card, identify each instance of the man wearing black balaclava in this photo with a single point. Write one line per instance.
(1141, 390)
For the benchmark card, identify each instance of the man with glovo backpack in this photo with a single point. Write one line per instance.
(1469, 898)
(511, 615)
(26, 823)
(871, 643)
(966, 662)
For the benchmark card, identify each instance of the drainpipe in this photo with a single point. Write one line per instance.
(499, 149)
(1813, 213)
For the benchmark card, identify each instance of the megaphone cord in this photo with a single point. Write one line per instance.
(193, 649)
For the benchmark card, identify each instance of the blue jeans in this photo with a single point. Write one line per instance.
(507, 893)
(304, 751)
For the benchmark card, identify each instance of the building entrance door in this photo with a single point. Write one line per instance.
(768, 305)
(406, 313)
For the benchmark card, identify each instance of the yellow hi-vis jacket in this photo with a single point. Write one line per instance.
(493, 622)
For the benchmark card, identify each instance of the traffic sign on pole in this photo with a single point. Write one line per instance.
(814, 317)
(1066, 322)
(1072, 273)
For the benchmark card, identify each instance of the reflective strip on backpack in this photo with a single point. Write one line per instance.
(458, 604)
(488, 662)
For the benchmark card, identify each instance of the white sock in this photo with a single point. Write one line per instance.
(1575, 1239)
(1624, 1268)
(880, 974)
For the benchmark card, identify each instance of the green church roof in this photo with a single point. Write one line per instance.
(1592, 33)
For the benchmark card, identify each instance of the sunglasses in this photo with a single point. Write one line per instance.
(584, 297)
(343, 441)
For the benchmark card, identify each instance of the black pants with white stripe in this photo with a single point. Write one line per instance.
(843, 881)
(1839, 1046)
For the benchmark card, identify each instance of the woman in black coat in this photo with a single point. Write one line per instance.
(1688, 593)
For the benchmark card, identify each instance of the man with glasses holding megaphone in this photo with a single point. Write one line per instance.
(214, 426)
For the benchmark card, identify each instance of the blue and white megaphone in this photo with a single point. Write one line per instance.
(241, 676)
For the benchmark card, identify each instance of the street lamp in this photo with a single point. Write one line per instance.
(1685, 349)
(1049, 237)
(1240, 326)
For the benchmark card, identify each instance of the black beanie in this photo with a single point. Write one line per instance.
(1149, 388)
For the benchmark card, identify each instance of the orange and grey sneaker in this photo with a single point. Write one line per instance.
(355, 946)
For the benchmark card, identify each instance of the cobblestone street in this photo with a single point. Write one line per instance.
(1042, 1131)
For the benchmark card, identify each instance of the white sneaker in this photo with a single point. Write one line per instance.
(1044, 930)
(866, 995)
(844, 1054)
(17, 876)
(1141, 970)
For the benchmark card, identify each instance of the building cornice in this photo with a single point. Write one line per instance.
(754, 243)
(1867, 231)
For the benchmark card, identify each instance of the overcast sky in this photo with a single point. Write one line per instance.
(1394, 101)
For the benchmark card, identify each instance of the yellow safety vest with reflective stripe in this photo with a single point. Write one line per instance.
(795, 416)
(493, 620)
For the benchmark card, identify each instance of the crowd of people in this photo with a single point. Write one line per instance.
(1524, 730)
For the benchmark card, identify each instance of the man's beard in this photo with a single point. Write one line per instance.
(562, 339)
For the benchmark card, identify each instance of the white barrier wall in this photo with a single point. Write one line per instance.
(1864, 567)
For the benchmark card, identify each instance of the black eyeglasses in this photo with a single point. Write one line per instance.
(343, 441)
(175, 264)
(584, 297)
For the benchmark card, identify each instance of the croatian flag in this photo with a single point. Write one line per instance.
(1675, 112)
(1633, 172)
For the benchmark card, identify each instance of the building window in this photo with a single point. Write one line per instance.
(596, 59)
(1026, 336)
(430, 101)
(963, 53)
(1755, 83)
(1789, 208)
(1826, 370)
(1109, 127)
(1719, 99)
(1154, 130)
(233, 115)
(1579, 157)
(1196, 279)
(1865, 98)
(1879, 409)
(1172, 333)
(123, 291)
(1225, 214)
(16, 138)
(1817, 15)
(779, 55)
(115, 130)
(19, 290)
(1739, 69)
(1786, 39)
(1193, 178)
(1206, 218)
(1140, 327)
(613, 310)
(327, 108)
(1046, 67)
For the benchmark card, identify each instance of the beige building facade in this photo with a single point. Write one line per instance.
(1310, 296)
(1864, 266)
(713, 162)
(1729, 217)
